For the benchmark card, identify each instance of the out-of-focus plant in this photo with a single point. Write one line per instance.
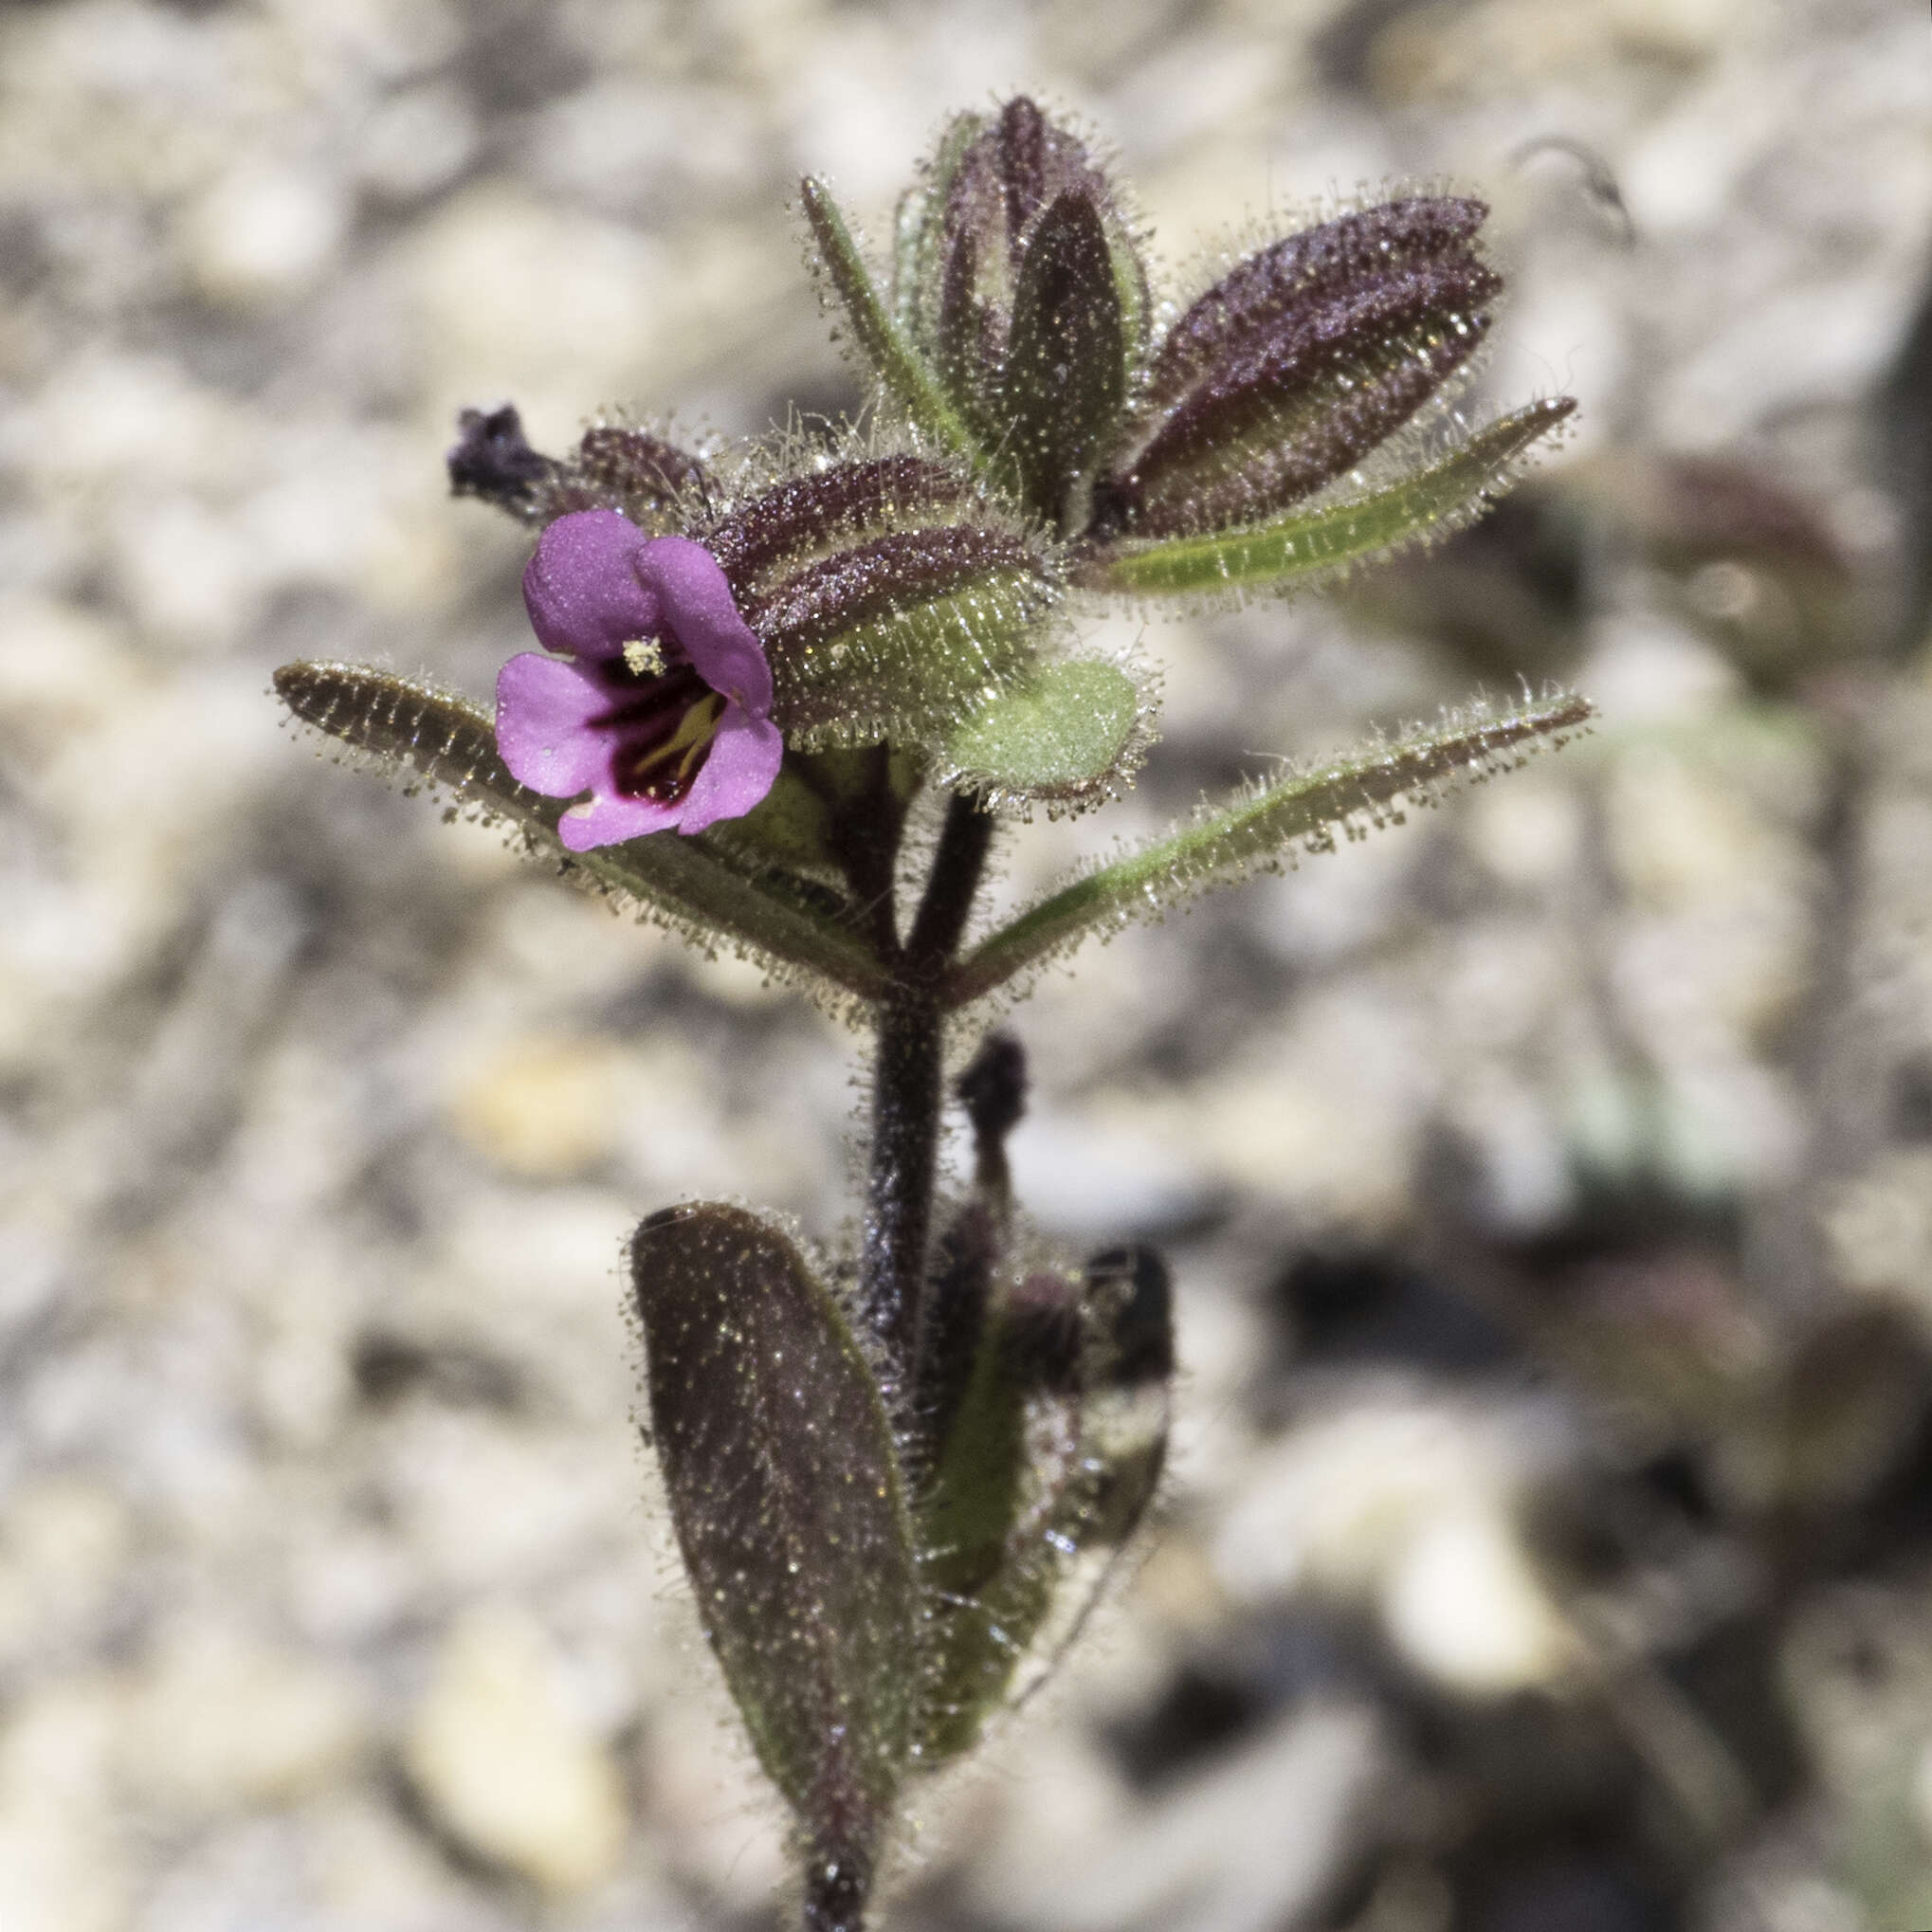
(801, 695)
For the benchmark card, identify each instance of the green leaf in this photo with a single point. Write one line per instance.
(699, 886)
(1045, 1475)
(785, 1492)
(901, 370)
(1302, 545)
(1258, 830)
(1069, 737)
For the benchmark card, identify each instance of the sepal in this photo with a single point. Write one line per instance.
(900, 636)
(903, 373)
(1287, 374)
(891, 596)
(1326, 539)
(1066, 371)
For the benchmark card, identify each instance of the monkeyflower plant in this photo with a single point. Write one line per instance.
(790, 700)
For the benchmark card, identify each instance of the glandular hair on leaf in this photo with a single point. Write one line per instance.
(783, 1481)
(1072, 736)
(701, 888)
(1260, 827)
(1053, 1463)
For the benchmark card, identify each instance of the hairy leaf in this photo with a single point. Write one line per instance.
(1069, 737)
(785, 1493)
(695, 885)
(1297, 547)
(1258, 831)
(901, 370)
(1048, 1469)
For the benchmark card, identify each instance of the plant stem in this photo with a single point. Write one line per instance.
(838, 1881)
(908, 1089)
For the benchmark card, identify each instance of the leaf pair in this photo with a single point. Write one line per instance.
(760, 885)
(868, 1621)
(1042, 1474)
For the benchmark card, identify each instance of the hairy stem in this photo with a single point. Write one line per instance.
(908, 1089)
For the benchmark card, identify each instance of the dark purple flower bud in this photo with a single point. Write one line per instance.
(1296, 365)
(660, 702)
(889, 600)
(1019, 277)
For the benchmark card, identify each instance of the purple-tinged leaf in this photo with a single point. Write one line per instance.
(785, 1492)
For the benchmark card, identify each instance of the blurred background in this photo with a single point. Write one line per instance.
(1548, 1546)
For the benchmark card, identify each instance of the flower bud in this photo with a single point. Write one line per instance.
(1297, 364)
(890, 600)
(1019, 277)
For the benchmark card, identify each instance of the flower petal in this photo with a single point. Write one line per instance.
(544, 709)
(696, 600)
(741, 766)
(584, 598)
(610, 818)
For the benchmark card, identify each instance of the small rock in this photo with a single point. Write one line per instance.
(61, 1866)
(504, 1763)
(544, 1108)
(1463, 1606)
(262, 234)
(225, 1723)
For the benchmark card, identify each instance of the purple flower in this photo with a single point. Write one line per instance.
(659, 701)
